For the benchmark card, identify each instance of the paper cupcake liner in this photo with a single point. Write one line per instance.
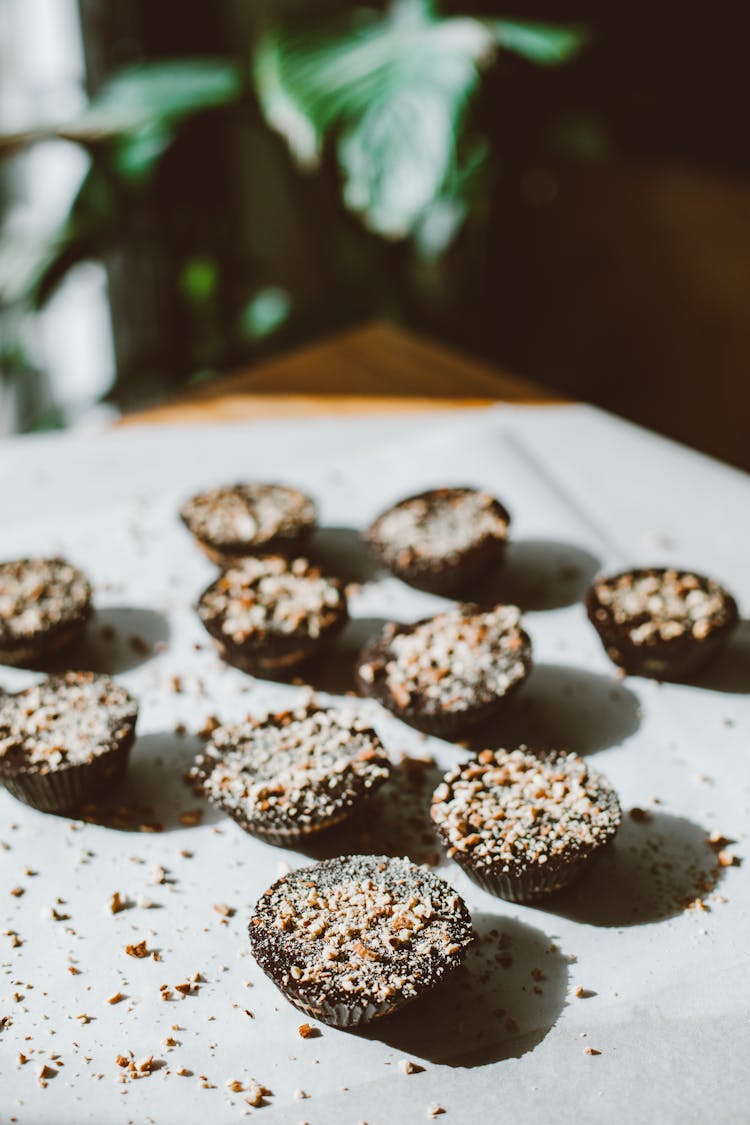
(277, 659)
(532, 884)
(39, 651)
(68, 788)
(452, 580)
(338, 1013)
(293, 838)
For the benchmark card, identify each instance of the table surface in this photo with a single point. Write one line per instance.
(665, 992)
(375, 368)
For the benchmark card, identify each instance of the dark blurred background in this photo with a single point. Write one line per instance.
(561, 189)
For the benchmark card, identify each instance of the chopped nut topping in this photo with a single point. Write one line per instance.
(660, 605)
(248, 516)
(37, 595)
(291, 769)
(515, 808)
(413, 921)
(272, 595)
(452, 661)
(65, 720)
(442, 524)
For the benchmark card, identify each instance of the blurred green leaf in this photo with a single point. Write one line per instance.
(199, 280)
(139, 110)
(544, 44)
(137, 153)
(264, 313)
(138, 96)
(394, 89)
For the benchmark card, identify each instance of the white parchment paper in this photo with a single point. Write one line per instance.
(666, 990)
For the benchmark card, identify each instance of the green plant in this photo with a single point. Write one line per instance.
(395, 91)
(389, 96)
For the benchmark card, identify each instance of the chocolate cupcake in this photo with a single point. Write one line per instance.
(442, 540)
(525, 824)
(249, 519)
(64, 739)
(291, 776)
(450, 671)
(270, 614)
(661, 622)
(44, 607)
(354, 939)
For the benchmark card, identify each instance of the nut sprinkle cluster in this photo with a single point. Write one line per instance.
(454, 660)
(355, 937)
(249, 516)
(271, 594)
(39, 595)
(439, 524)
(65, 720)
(662, 605)
(292, 771)
(515, 809)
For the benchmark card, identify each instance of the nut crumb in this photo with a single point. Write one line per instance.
(256, 1093)
(191, 818)
(306, 1031)
(138, 949)
(409, 1067)
(591, 1051)
(115, 998)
